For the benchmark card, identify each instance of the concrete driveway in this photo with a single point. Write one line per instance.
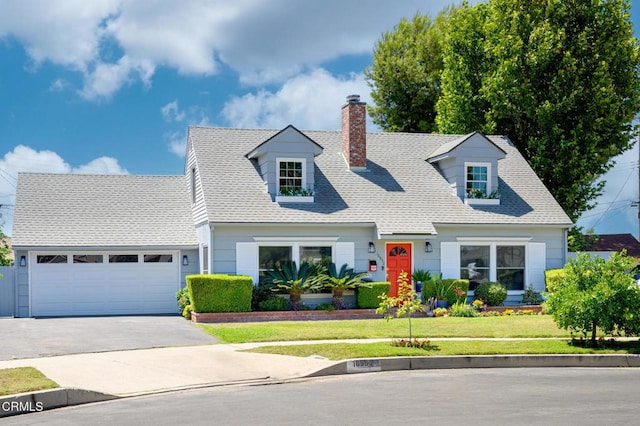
(39, 337)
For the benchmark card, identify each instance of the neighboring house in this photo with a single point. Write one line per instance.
(380, 202)
(604, 245)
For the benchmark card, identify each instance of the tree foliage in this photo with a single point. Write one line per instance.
(405, 74)
(561, 78)
(4, 250)
(594, 294)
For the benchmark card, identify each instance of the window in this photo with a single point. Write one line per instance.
(123, 258)
(270, 257)
(52, 258)
(477, 178)
(158, 258)
(193, 186)
(291, 176)
(88, 258)
(474, 264)
(316, 254)
(510, 266)
(502, 263)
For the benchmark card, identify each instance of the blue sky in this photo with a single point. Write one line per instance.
(110, 86)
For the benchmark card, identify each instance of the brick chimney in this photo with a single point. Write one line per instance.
(354, 132)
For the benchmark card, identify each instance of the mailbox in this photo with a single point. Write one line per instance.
(373, 266)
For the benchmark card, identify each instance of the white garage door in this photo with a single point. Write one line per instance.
(113, 283)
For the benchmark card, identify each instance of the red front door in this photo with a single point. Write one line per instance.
(398, 260)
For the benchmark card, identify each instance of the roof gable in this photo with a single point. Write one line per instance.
(475, 139)
(282, 142)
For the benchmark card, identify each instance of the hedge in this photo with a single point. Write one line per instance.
(428, 289)
(220, 293)
(551, 277)
(368, 297)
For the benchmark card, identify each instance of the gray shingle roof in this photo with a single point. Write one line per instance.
(72, 210)
(400, 192)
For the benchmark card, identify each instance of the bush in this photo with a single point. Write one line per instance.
(429, 290)
(492, 294)
(463, 310)
(183, 299)
(325, 307)
(261, 293)
(551, 277)
(368, 297)
(594, 293)
(220, 293)
(530, 296)
(273, 303)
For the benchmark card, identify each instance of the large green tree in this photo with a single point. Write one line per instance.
(405, 74)
(561, 78)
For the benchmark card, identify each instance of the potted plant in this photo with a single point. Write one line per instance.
(420, 276)
(294, 280)
(340, 280)
(442, 289)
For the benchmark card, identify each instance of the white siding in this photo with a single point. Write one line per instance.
(536, 265)
(345, 253)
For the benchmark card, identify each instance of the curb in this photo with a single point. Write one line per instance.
(476, 361)
(23, 403)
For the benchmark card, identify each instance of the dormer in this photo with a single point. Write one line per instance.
(286, 164)
(470, 165)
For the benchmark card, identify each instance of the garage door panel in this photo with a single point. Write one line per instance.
(104, 288)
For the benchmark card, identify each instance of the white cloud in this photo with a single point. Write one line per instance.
(26, 159)
(117, 42)
(308, 101)
(170, 112)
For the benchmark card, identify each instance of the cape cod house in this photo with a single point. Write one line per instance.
(463, 205)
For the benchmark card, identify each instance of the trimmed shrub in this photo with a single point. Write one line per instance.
(368, 297)
(551, 278)
(429, 290)
(273, 303)
(492, 294)
(220, 293)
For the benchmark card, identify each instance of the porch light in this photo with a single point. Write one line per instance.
(428, 247)
(23, 260)
(185, 260)
(372, 247)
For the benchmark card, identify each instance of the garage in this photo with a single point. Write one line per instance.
(103, 283)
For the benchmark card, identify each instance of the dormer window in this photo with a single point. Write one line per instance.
(291, 176)
(477, 183)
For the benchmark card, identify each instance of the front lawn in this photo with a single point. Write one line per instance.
(339, 351)
(23, 379)
(520, 326)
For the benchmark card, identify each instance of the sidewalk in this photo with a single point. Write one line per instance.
(106, 375)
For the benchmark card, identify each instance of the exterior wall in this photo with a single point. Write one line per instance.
(7, 290)
(192, 268)
(224, 239)
(203, 232)
(198, 208)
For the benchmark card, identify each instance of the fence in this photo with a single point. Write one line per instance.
(7, 290)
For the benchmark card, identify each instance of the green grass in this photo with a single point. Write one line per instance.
(23, 379)
(525, 326)
(339, 351)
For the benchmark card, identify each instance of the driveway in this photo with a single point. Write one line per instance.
(31, 337)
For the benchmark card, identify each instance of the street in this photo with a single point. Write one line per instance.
(532, 396)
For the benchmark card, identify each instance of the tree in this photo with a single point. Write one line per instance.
(4, 250)
(406, 303)
(594, 294)
(560, 78)
(405, 74)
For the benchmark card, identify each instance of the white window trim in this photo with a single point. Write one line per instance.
(493, 256)
(478, 164)
(295, 160)
(295, 246)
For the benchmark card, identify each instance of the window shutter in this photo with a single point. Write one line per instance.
(247, 260)
(450, 260)
(345, 253)
(536, 265)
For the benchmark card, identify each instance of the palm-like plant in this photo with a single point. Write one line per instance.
(294, 280)
(340, 280)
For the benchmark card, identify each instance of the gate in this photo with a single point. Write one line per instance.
(7, 290)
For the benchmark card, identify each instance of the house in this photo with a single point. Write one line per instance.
(604, 245)
(464, 205)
